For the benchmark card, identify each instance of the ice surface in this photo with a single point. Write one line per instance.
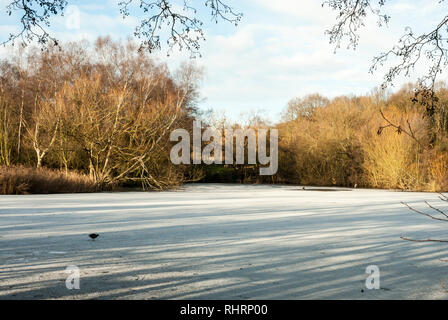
(209, 241)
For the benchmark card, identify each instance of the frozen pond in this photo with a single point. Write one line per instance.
(222, 242)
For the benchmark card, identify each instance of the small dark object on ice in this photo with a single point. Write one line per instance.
(94, 235)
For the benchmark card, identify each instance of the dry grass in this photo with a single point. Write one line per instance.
(25, 180)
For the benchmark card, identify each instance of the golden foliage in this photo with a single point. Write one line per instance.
(349, 143)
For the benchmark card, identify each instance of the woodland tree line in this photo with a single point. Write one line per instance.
(104, 110)
(89, 117)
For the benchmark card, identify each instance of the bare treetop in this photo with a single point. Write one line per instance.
(429, 48)
(34, 20)
(350, 18)
(177, 23)
(185, 29)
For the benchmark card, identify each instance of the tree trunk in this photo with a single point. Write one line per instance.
(39, 159)
(19, 135)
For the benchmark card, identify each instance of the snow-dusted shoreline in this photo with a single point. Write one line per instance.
(221, 242)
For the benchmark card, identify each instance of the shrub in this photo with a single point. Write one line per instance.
(24, 180)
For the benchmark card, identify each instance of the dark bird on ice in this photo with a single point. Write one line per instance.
(94, 235)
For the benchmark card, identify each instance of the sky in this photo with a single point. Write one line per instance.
(279, 51)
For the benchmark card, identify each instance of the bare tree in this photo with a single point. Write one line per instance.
(178, 17)
(5, 128)
(304, 107)
(120, 113)
(46, 120)
(180, 21)
(438, 215)
(428, 49)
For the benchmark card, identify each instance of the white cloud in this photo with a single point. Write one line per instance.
(265, 63)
